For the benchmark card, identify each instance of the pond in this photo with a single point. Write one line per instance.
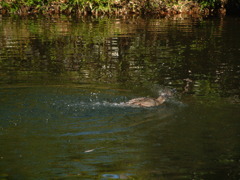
(64, 82)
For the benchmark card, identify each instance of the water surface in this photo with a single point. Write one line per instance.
(64, 82)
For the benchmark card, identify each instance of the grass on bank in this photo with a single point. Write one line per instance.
(96, 7)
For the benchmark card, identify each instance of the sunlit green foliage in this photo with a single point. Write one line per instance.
(210, 3)
(114, 6)
(79, 6)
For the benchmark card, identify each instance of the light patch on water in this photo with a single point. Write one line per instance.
(116, 176)
(84, 133)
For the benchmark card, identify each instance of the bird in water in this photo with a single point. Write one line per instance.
(148, 102)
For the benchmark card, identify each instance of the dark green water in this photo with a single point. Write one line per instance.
(64, 81)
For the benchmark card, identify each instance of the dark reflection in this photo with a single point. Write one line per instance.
(64, 82)
(127, 52)
(184, 143)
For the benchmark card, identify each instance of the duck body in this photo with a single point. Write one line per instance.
(146, 102)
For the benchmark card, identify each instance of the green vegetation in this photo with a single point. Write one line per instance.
(119, 7)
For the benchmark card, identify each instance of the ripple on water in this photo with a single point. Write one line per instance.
(116, 176)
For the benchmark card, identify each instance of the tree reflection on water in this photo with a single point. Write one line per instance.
(129, 52)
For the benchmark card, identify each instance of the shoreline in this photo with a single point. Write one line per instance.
(115, 8)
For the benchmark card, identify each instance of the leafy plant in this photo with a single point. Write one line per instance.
(36, 2)
(210, 3)
(109, 6)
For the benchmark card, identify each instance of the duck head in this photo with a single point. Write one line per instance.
(161, 99)
(163, 96)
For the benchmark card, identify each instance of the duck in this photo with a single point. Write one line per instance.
(146, 102)
(149, 102)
